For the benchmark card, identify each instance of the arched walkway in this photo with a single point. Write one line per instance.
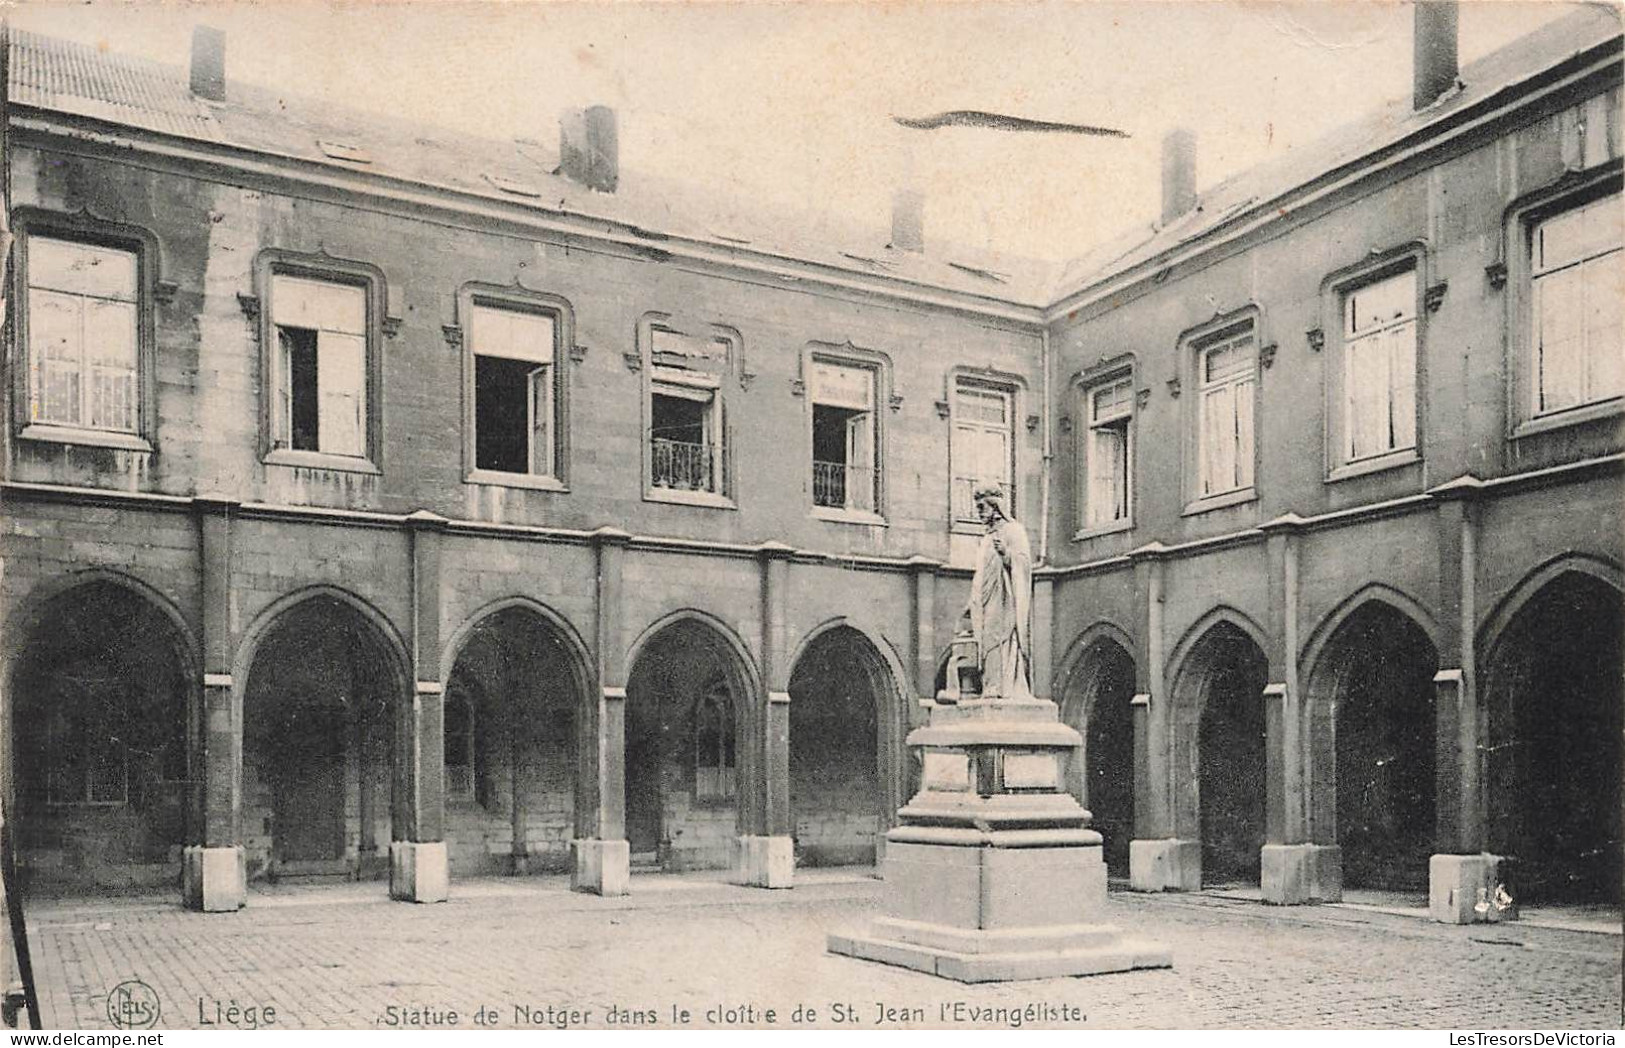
(102, 687)
(1553, 692)
(1219, 751)
(686, 769)
(321, 702)
(513, 691)
(841, 699)
(1096, 701)
(1372, 747)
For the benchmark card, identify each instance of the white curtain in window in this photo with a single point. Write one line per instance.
(1218, 427)
(1560, 324)
(1243, 452)
(341, 377)
(318, 305)
(512, 334)
(541, 421)
(83, 334)
(1107, 466)
(1604, 290)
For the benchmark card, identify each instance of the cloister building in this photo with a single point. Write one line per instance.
(380, 501)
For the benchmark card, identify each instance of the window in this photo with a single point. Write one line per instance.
(845, 437)
(457, 737)
(1227, 381)
(983, 444)
(319, 366)
(687, 435)
(88, 762)
(514, 394)
(1107, 454)
(714, 744)
(1379, 367)
(83, 330)
(1576, 284)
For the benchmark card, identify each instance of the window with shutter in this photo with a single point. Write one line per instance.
(1576, 284)
(321, 381)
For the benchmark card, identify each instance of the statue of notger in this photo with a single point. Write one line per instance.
(1001, 596)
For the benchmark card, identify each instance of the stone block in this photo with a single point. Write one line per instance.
(419, 871)
(214, 880)
(764, 862)
(599, 866)
(1457, 884)
(1167, 864)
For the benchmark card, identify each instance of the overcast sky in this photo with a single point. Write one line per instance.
(790, 103)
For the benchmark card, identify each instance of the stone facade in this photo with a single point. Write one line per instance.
(432, 665)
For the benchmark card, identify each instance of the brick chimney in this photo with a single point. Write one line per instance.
(1435, 51)
(1178, 173)
(209, 63)
(589, 148)
(908, 221)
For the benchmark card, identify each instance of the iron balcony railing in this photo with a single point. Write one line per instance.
(842, 486)
(681, 466)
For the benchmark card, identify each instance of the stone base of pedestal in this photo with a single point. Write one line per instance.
(214, 880)
(601, 867)
(1461, 889)
(419, 871)
(1293, 874)
(1166, 865)
(988, 914)
(764, 862)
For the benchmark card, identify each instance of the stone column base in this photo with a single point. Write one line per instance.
(1165, 865)
(764, 862)
(600, 867)
(1461, 889)
(1293, 874)
(214, 880)
(419, 871)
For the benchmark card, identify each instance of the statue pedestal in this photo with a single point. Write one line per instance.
(993, 873)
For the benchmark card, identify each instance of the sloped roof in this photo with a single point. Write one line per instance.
(67, 77)
(1260, 186)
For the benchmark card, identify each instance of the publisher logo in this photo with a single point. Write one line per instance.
(132, 1005)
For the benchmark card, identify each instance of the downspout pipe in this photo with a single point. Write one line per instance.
(1046, 413)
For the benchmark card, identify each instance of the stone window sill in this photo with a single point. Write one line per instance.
(49, 433)
(1212, 502)
(1375, 464)
(677, 497)
(1097, 530)
(321, 460)
(1569, 417)
(848, 516)
(528, 481)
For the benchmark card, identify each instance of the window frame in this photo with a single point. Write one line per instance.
(879, 367)
(1340, 464)
(477, 295)
(726, 493)
(276, 262)
(1109, 373)
(718, 696)
(1521, 219)
(1011, 387)
(1193, 345)
(74, 714)
(31, 223)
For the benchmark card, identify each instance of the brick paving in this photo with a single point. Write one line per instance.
(343, 955)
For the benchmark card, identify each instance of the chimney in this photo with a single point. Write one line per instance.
(1178, 173)
(209, 63)
(908, 221)
(589, 151)
(1435, 52)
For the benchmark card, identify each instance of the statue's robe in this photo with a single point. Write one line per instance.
(1001, 612)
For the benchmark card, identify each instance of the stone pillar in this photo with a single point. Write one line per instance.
(214, 866)
(765, 852)
(1157, 859)
(601, 860)
(1462, 876)
(367, 803)
(419, 869)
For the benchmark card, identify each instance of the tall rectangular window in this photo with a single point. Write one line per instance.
(687, 427)
(83, 335)
(844, 437)
(983, 444)
(321, 365)
(513, 390)
(1107, 453)
(1576, 287)
(1379, 367)
(1227, 371)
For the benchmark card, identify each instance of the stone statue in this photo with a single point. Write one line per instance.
(1001, 600)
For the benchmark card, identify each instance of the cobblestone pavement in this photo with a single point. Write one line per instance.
(344, 955)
